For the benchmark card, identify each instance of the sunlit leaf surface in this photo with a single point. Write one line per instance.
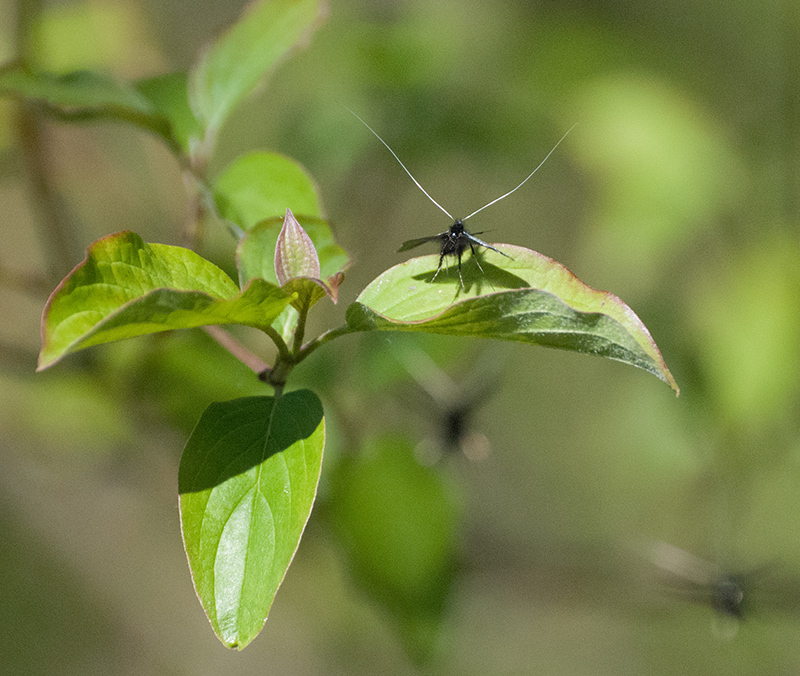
(128, 288)
(247, 482)
(261, 185)
(528, 298)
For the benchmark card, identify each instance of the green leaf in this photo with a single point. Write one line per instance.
(169, 98)
(529, 298)
(234, 65)
(398, 524)
(86, 95)
(128, 288)
(247, 482)
(286, 323)
(745, 317)
(261, 185)
(307, 291)
(73, 92)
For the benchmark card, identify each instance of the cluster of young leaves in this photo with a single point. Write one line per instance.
(249, 473)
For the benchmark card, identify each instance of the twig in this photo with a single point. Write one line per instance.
(56, 231)
(226, 340)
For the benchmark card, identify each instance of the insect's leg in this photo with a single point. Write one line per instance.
(477, 260)
(438, 269)
(460, 278)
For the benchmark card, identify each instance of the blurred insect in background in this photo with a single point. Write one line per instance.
(455, 240)
(700, 580)
(454, 405)
(734, 596)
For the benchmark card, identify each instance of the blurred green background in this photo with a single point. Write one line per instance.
(679, 191)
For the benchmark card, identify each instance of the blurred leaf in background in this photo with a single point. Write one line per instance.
(397, 522)
(664, 174)
(746, 316)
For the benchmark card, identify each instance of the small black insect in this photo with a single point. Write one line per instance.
(455, 240)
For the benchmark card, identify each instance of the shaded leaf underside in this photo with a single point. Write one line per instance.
(528, 298)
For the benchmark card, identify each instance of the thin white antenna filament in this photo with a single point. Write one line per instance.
(407, 171)
(521, 184)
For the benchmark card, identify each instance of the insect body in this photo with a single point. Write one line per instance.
(453, 243)
(452, 404)
(702, 580)
(456, 239)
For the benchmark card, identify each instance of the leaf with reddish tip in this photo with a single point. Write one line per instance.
(528, 297)
(128, 288)
(297, 265)
(255, 255)
(258, 254)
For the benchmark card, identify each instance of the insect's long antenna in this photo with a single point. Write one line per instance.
(404, 166)
(526, 179)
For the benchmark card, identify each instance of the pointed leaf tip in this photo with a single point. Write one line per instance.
(527, 297)
(247, 482)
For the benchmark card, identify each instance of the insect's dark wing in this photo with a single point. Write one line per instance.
(480, 242)
(412, 243)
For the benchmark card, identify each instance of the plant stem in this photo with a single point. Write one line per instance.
(283, 348)
(299, 332)
(321, 339)
(195, 212)
(226, 340)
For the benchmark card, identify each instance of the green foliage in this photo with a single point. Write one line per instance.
(530, 298)
(168, 97)
(86, 95)
(127, 288)
(247, 482)
(258, 185)
(80, 92)
(766, 285)
(232, 67)
(249, 472)
(398, 523)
